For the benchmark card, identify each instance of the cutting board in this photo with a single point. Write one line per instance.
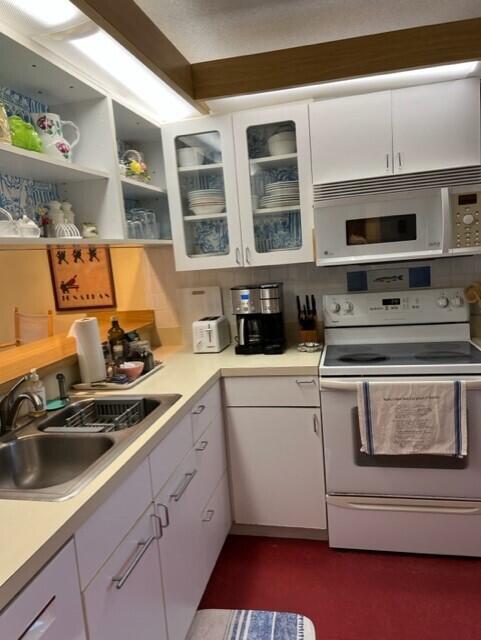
(196, 303)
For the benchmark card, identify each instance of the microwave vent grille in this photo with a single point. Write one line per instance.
(393, 184)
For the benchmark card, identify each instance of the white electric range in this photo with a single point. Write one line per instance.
(413, 503)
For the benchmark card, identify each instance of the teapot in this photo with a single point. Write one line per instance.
(49, 127)
(24, 135)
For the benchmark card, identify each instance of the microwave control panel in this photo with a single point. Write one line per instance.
(466, 208)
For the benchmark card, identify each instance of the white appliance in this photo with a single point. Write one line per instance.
(210, 334)
(418, 504)
(408, 225)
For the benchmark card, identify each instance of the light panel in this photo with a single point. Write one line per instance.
(48, 13)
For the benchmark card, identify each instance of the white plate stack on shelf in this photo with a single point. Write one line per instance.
(281, 194)
(206, 201)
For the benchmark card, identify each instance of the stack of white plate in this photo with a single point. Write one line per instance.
(281, 194)
(206, 201)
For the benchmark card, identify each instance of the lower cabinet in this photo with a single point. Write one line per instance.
(50, 607)
(277, 467)
(124, 601)
(216, 521)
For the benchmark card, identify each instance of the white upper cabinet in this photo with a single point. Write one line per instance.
(422, 128)
(351, 138)
(201, 179)
(275, 184)
(436, 126)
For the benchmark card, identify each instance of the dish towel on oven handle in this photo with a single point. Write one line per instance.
(406, 418)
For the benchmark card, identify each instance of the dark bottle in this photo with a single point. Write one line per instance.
(116, 334)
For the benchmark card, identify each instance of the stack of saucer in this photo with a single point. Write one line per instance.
(206, 201)
(281, 194)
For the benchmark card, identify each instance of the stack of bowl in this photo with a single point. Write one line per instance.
(206, 201)
(282, 143)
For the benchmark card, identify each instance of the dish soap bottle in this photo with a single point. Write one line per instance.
(35, 385)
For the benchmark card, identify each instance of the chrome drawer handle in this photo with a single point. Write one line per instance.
(142, 547)
(316, 424)
(209, 515)
(198, 410)
(305, 382)
(183, 487)
(166, 515)
(203, 445)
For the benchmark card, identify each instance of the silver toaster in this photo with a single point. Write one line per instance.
(210, 334)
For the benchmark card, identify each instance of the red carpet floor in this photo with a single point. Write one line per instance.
(351, 595)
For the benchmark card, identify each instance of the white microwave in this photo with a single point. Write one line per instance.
(383, 227)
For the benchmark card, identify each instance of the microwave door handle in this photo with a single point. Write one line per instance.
(241, 331)
(446, 226)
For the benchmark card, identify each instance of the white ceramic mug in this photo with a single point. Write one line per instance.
(49, 127)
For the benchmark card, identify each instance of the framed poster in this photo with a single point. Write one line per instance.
(81, 277)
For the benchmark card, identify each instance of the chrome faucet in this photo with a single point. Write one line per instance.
(11, 404)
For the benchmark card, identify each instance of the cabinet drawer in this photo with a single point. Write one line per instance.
(169, 453)
(216, 522)
(101, 534)
(50, 607)
(205, 410)
(211, 458)
(124, 600)
(278, 391)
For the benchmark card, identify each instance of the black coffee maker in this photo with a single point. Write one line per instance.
(260, 324)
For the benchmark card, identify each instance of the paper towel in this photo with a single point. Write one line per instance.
(89, 349)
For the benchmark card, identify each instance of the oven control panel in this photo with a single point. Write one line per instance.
(466, 210)
(426, 306)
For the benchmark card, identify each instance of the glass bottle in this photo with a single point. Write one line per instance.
(116, 334)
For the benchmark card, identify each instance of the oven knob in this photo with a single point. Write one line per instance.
(347, 307)
(457, 301)
(443, 302)
(334, 307)
(468, 218)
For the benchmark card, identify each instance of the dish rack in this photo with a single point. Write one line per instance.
(102, 417)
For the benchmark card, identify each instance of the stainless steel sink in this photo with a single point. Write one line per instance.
(53, 458)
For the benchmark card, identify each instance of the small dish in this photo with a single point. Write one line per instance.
(132, 369)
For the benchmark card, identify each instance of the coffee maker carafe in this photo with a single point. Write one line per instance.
(260, 325)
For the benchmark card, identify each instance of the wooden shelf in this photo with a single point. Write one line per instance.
(274, 210)
(274, 161)
(205, 216)
(39, 166)
(136, 189)
(39, 243)
(201, 167)
(17, 361)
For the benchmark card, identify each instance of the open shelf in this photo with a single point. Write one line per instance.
(201, 167)
(39, 243)
(39, 166)
(205, 216)
(274, 161)
(274, 210)
(135, 189)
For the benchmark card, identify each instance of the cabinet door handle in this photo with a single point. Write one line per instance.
(305, 382)
(315, 422)
(165, 509)
(158, 522)
(183, 487)
(248, 255)
(42, 623)
(208, 515)
(202, 446)
(198, 410)
(399, 160)
(388, 155)
(142, 547)
(238, 256)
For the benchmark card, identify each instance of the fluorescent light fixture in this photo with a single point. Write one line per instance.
(107, 54)
(48, 13)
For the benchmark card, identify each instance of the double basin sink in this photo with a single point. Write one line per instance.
(55, 457)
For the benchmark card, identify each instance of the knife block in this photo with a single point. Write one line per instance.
(308, 335)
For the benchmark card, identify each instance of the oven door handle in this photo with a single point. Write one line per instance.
(339, 385)
(374, 505)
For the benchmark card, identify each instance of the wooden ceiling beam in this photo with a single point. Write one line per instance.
(341, 59)
(130, 26)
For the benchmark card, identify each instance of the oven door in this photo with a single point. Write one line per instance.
(350, 472)
(385, 227)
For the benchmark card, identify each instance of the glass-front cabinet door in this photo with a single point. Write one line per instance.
(202, 187)
(275, 184)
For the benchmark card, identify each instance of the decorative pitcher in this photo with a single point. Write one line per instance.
(49, 127)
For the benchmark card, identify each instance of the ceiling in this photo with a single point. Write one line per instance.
(211, 29)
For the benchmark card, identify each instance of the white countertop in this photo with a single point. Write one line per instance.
(31, 532)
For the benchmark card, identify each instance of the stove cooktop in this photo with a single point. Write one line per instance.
(402, 354)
